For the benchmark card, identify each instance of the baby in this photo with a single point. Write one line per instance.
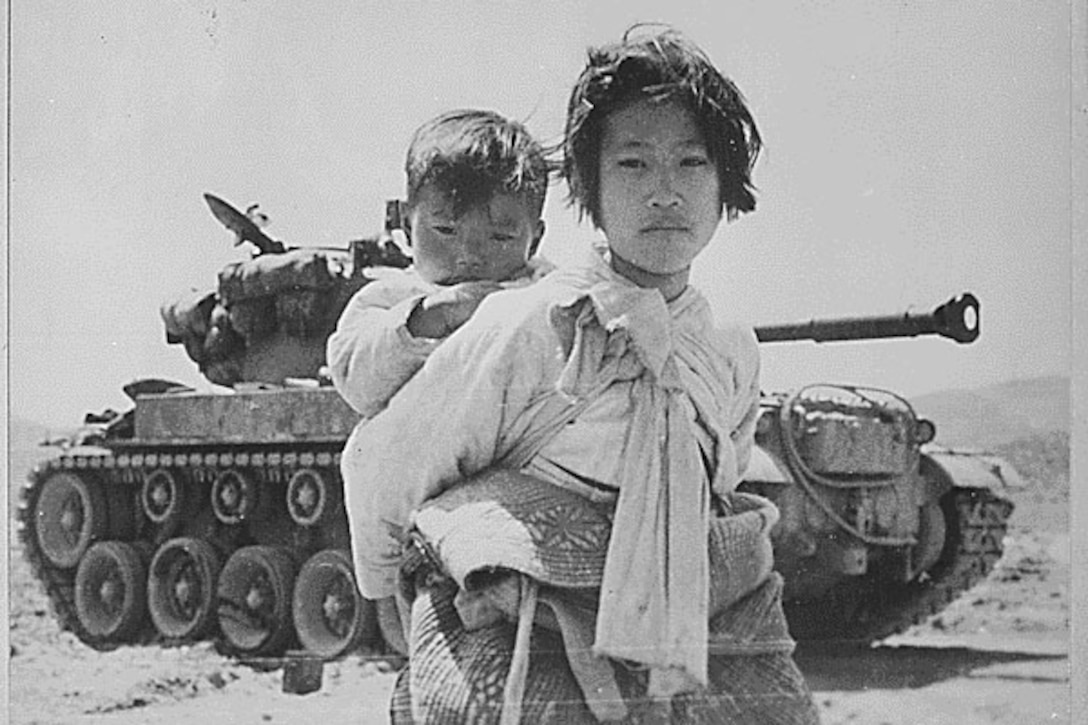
(476, 188)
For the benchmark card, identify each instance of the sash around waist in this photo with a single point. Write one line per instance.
(560, 537)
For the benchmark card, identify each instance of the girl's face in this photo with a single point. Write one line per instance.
(659, 189)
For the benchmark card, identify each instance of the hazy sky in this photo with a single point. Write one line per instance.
(914, 151)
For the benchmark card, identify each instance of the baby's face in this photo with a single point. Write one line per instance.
(491, 241)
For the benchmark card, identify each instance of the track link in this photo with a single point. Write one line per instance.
(59, 585)
(855, 611)
(865, 610)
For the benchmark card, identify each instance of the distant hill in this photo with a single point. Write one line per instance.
(992, 415)
(1042, 459)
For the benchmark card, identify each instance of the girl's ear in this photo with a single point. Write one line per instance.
(538, 234)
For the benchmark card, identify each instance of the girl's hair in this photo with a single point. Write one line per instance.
(471, 155)
(664, 66)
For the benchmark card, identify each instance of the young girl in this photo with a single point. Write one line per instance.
(659, 146)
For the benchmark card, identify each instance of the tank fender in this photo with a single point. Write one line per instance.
(945, 469)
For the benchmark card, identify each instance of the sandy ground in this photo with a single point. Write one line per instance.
(999, 654)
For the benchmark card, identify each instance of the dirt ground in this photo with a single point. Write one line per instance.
(999, 654)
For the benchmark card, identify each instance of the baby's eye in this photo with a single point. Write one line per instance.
(444, 229)
(503, 238)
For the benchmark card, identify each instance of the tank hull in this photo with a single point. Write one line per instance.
(301, 416)
(254, 476)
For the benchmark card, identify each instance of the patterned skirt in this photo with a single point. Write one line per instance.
(457, 676)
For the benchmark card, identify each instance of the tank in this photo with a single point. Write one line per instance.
(219, 515)
(880, 528)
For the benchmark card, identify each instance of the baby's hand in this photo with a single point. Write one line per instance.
(447, 309)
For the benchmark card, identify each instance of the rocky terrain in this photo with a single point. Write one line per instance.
(999, 654)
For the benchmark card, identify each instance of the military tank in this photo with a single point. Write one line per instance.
(880, 527)
(199, 515)
(219, 516)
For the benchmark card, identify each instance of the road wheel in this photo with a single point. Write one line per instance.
(254, 600)
(310, 499)
(70, 514)
(111, 591)
(162, 498)
(181, 588)
(330, 615)
(235, 497)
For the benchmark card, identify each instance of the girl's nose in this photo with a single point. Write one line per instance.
(663, 194)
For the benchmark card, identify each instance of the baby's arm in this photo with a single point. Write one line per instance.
(372, 354)
(379, 345)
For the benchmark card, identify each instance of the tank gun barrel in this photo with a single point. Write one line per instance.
(958, 319)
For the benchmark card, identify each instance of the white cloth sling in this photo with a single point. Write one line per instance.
(653, 606)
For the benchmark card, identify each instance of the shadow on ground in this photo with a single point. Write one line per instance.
(828, 668)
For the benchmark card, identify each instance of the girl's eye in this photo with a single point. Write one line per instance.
(503, 238)
(631, 164)
(694, 161)
(443, 229)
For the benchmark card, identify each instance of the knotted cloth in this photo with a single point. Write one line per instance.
(653, 605)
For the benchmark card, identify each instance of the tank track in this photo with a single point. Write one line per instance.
(852, 612)
(58, 584)
(123, 469)
(860, 612)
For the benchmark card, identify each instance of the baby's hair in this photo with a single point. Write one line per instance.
(471, 155)
(663, 66)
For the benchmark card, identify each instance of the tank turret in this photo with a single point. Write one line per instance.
(267, 319)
